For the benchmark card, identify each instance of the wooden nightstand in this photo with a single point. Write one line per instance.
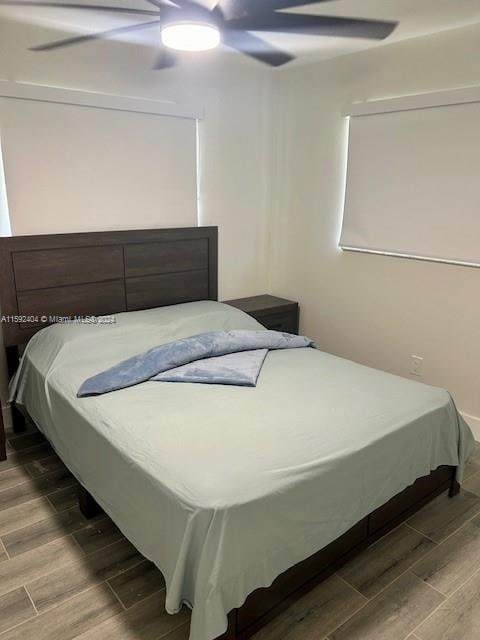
(274, 313)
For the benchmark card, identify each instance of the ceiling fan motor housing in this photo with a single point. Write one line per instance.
(194, 14)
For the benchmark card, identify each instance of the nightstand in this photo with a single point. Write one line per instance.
(274, 313)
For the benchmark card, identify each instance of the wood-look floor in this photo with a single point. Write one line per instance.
(65, 578)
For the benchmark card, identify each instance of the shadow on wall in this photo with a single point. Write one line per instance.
(5, 228)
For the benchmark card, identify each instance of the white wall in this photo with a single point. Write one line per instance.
(234, 136)
(373, 309)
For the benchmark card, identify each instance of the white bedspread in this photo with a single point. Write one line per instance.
(226, 487)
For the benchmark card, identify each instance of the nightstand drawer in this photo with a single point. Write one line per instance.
(276, 314)
(286, 321)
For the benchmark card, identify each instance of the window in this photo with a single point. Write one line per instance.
(71, 168)
(413, 183)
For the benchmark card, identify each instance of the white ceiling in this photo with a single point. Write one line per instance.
(416, 18)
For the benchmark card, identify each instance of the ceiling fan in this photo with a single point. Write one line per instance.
(187, 25)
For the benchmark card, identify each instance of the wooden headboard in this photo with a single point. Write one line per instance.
(101, 273)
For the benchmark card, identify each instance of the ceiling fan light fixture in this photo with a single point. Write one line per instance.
(190, 36)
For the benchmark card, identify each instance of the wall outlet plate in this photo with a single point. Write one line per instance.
(416, 364)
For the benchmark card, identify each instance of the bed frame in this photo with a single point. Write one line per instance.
(100, 273)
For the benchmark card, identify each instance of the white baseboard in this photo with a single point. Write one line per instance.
(474, 424)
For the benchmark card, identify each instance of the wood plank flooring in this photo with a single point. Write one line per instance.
(65, 578)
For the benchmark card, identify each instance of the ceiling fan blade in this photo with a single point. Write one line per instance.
(77, 5)
(315, 25)
(241, 8)
(164, 60)
(66, 42)
(276, 5)
(174, 4)
(158, 3)
(188, 4)
(255, 47)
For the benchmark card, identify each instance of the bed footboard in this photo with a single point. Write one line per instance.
(263, 605)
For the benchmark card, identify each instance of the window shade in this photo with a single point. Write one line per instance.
(413, 183)
(71, 168)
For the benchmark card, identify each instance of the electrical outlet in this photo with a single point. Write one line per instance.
(416, 364)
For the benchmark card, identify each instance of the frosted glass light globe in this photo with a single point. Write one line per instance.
(190, 36)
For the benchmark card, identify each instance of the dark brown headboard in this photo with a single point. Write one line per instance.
(99, 273)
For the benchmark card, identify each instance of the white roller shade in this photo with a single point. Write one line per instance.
(72, 168)
(413, 183)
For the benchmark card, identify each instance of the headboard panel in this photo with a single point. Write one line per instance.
(99, 273)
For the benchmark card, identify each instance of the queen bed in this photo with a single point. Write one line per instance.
(243, 497)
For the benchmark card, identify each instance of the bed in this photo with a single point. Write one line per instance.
(243, 497)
